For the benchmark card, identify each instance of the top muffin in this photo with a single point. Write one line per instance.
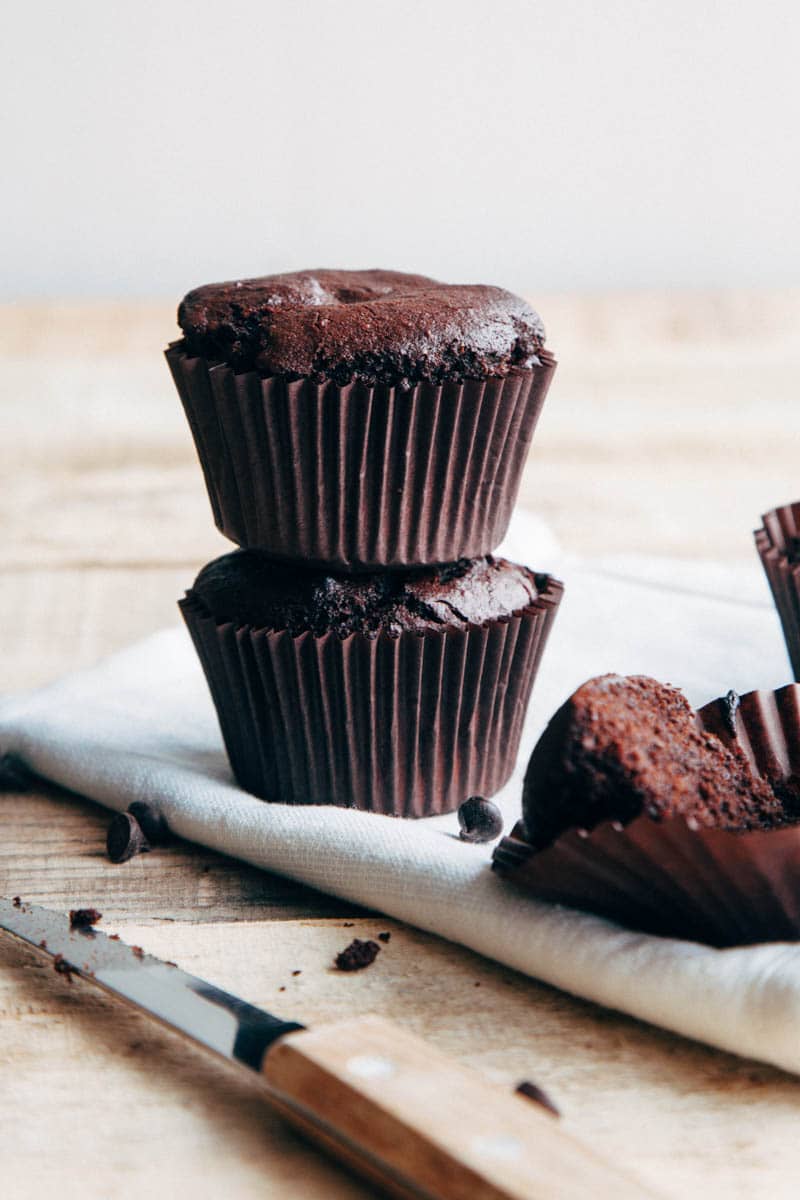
(377, 326)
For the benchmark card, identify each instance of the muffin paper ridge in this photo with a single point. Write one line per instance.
(407, 725)
(361, 476)
(780, 525)
(672, 878)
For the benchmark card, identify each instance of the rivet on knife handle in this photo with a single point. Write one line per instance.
(423, 1125)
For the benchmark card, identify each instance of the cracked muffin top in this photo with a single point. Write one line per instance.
(247, 587)
(377, 326)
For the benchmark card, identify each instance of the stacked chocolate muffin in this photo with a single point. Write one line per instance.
(362, 436)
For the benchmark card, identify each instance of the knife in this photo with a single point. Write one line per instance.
(384, 1102)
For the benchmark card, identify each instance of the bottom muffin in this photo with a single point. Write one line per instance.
(674, 822)
(400, 693)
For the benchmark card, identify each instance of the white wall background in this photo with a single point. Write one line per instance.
(154, 145)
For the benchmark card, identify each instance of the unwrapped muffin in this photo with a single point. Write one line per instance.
(674, 822)
(401, 693)
(361, 419)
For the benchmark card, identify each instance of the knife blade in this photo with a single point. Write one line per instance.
(206, 1014)
(384, 1102)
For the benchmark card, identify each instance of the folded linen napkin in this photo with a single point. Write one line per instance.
(140, 725)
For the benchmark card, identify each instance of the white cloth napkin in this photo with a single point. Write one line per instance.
(140, 725)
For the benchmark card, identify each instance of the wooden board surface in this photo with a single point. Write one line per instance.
(664, 407)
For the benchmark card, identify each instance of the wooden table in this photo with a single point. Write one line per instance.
(670, 428)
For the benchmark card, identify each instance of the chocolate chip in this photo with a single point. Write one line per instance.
(479, 820)
(357, 955)
(125, 838)
(138, 951)
(153, 822)
(17, 902)
(296, 972)
(532, 1091)
(84, 918)
(730, 707)
(384, 937)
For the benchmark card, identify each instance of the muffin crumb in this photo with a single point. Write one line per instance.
(83, 919)
(358, 955)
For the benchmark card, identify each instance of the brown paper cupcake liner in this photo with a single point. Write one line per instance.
(361, 477)
(677, 880)
(777, 542)
(407, 725)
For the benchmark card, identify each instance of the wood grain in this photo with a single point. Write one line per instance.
(168, 1120)
(400, 1109)
(53, 852)
(669, 428)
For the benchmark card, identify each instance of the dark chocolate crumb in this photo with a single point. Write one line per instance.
(282, 988)
(152, 821)
(477, 983)
(169, 963)
(357, 955)
(479, 820)
(15, 775)
(730, 706)
(295, 972)
(83, 919)
(384, 937)
(17, 902)
(125, 838)
(532, 1091)
(348, 924)
(62, 967)
(113, 937)
(138, 951)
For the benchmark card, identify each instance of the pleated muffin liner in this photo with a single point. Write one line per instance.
(361, 477)
(672, 877)
(407, 725)
(774, 541)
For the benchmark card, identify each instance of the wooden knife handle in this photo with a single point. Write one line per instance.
(420, 1124)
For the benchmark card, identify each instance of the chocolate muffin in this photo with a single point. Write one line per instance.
(679, 823)
(624, 746)
(361, 419)
(377, 326)
(402, 693)
(778, 545)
